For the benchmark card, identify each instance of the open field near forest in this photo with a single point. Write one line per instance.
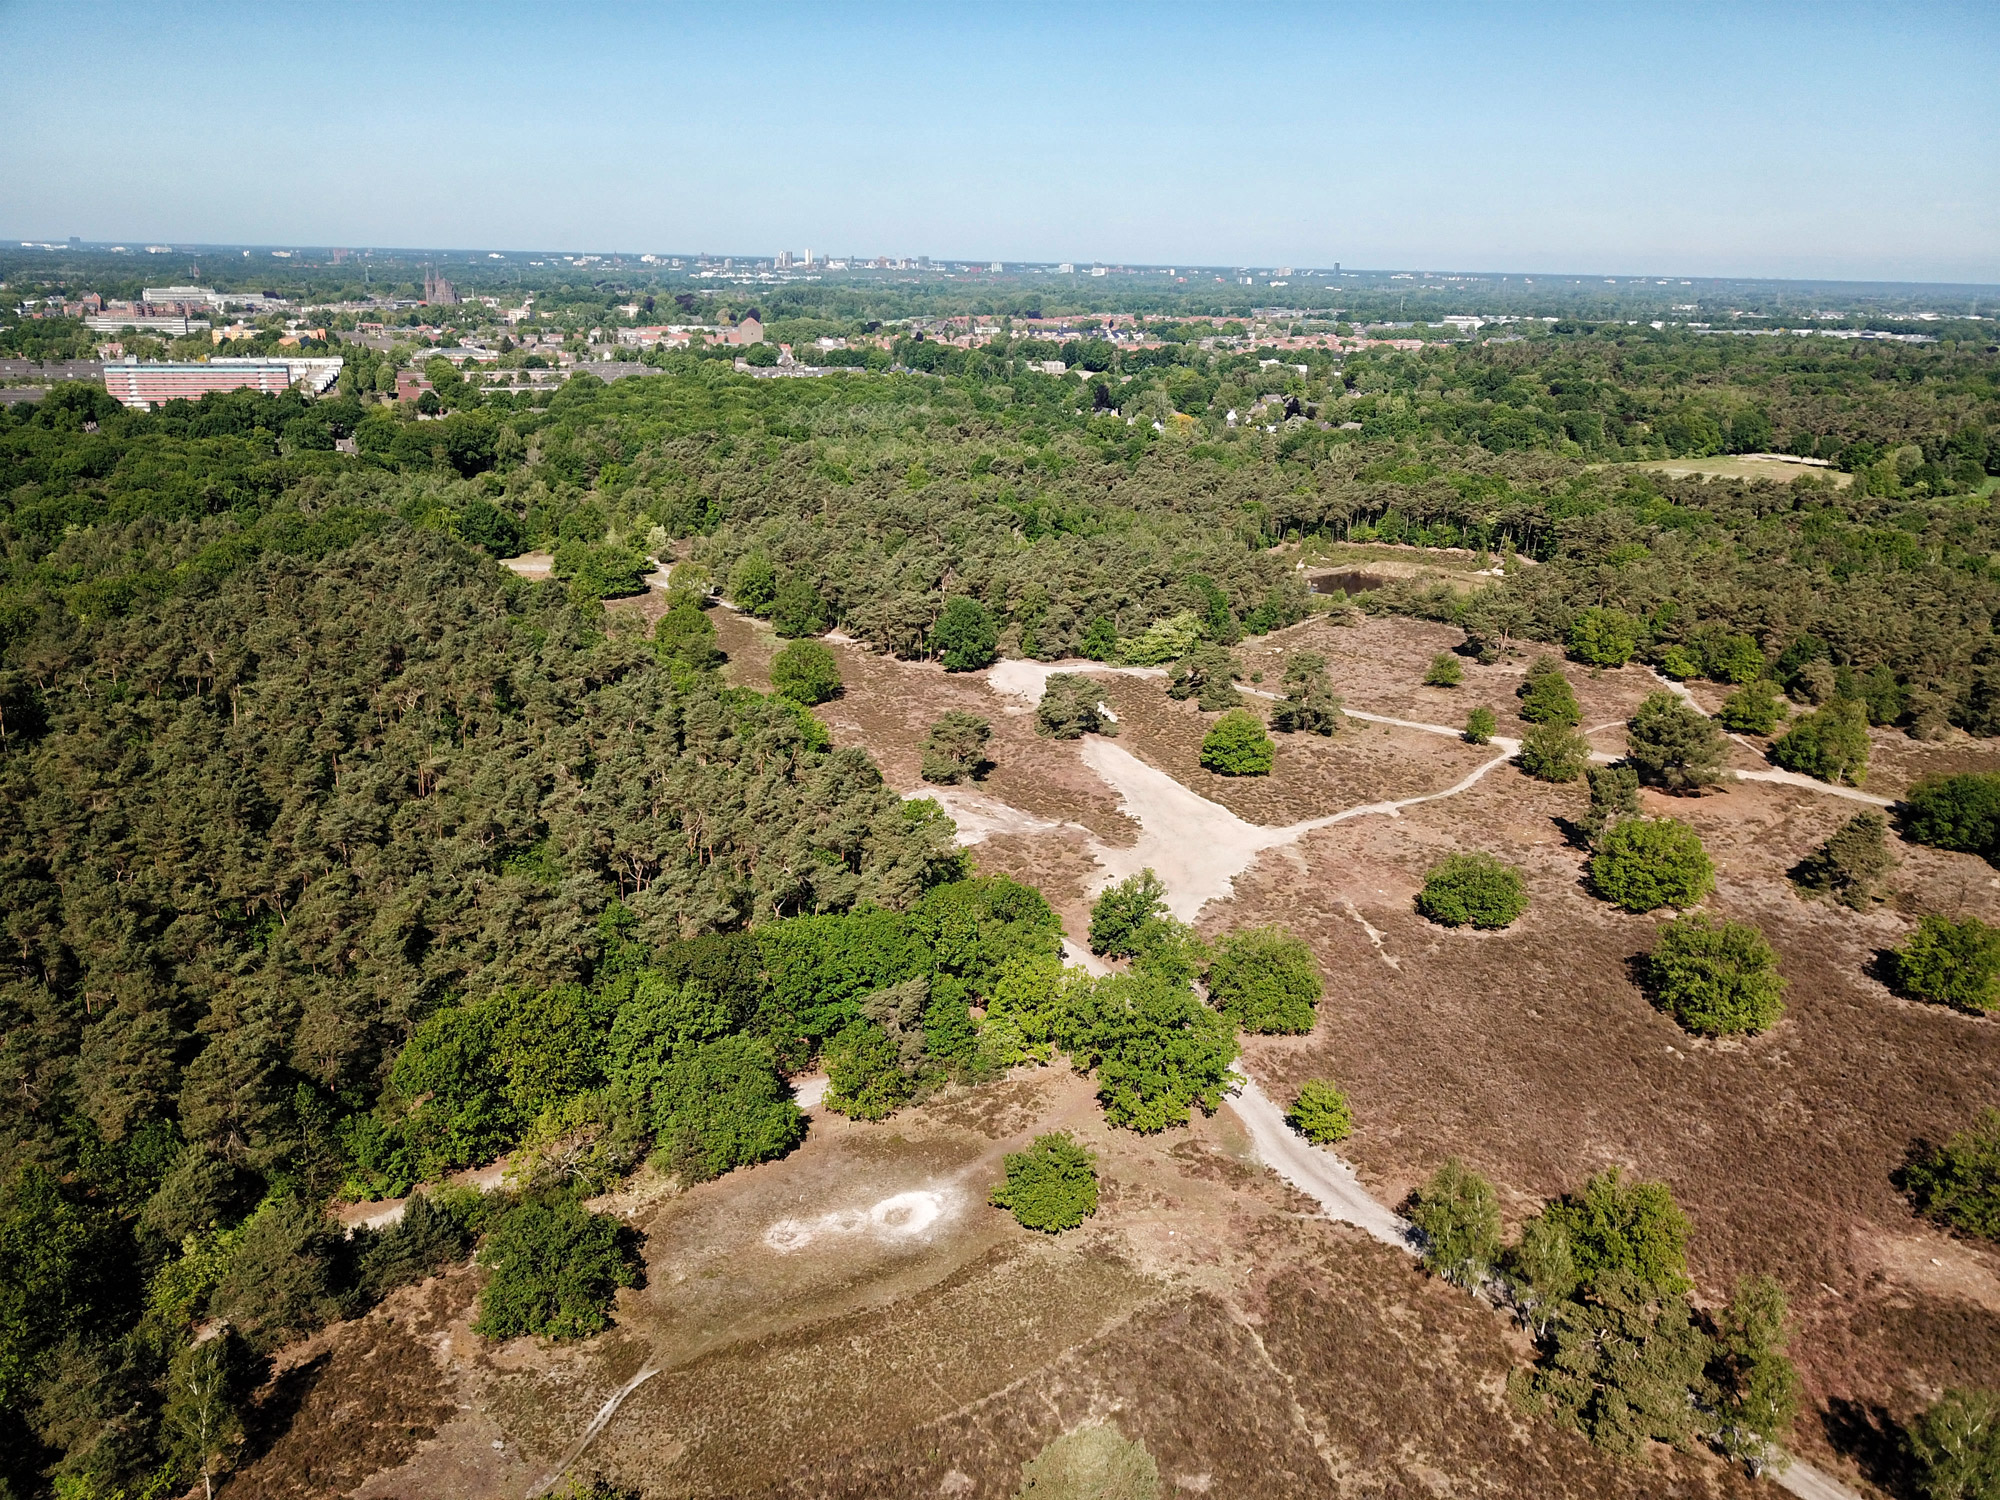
(1533, 1054)
(1741, 466)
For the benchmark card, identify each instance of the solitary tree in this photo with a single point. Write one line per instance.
(1207, 674)
(1757, 1387)
(1958, 1183)
(1473, 889)
(1848, 865)
(1238, 746)
(1459, 1215)
(1546, 696)
(1479, 726)
(1070, 709)
(1052, 1186)
(753, 583)
(1310, 704)
(1614, 794)
(1643, 864)
(1444, 671)
(1552, 753)
(805, 672)
(955, 748)
(1830, 744)
(1716, 978)
(203, 1415)
(1950, 962)
(685, 634)
(1321, 1113)
(1265, 979)
(1675, 747)
(1955, 812)
(1956, 1445)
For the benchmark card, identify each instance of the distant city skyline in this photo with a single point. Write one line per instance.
(1827, 142)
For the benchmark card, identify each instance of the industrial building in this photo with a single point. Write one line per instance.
(152, 383)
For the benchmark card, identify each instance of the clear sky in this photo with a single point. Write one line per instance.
(1816, 140)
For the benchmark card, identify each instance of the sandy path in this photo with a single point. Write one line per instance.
(1319, 1174)
(597, 1424)
(387, 1211)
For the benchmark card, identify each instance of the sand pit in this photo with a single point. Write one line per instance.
(901, 1218)
(1028, 680)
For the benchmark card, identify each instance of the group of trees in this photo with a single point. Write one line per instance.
(1600, 1280)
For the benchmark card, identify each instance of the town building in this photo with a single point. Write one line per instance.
(437, 291)
(152, 383)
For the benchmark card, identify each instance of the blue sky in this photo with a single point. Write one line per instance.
(1812, 141)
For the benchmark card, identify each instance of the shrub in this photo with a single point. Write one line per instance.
(1623, 1368)
(1052, 1186)
(1479, 726)
(1956, 1445)
(1553, 753)
(1170, 948)
(287, 1276)
(1238, 746)
(1207, 674)
(1321, 1113)
(1634, 1229)
(955, 748)
(1310, 704)
(1848, 865)
(1121, 910)
(1716, 978)
(553, 1268)
(965, 635)
(1444, 671)
(1958, 1183)
(1643, 864)
(1157, 1050)
(1731, 658)
(806, 673)
(1950, 963)
(1474, 889)
(1069, 708)
(1830, 744)
(432, 1233)
(1955, 812)
(686, 634)
(1546, 696)
(724, 1105)
(1679, 663)
(1603, 637)
(1673, 746)
(1459, 1214)
(1266, 980)
(1754, 708)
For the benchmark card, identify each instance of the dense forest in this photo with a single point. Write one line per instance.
(312, 816)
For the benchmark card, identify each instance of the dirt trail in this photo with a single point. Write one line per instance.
(597, 1424)
(1320, 1175)
(1782, 778)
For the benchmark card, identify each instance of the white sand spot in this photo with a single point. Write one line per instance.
(1028, 680)
(898, 1219)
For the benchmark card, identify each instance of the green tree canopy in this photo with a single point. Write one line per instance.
(1321, 1113)
(552, 1270)
(1472, 889)
(1674, 746)
(1236, 745)
(1552, 753)
(1070, 708)
(1716, 978)
(1052, 1186)
(1830, 744)
(1604, 637)
(1458, 1213)
(1156, 1050)
(1958, 1183)
(965, 636)
(1546, 696)
(955, 748)
(805, 672)
(1265, 980)
(1950, 962)
(1310, 705)
(1643, 864)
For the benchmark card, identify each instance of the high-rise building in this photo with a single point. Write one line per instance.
(784, 260)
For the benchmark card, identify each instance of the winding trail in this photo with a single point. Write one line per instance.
(597, 1424)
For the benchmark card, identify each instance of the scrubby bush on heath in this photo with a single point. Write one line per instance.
(1472, 890)
(1643, 864)
(1052, 1186)
(1321, 1113)
(1264, 979)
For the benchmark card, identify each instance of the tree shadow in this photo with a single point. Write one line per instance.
(271, 1415)
(1867, 1434)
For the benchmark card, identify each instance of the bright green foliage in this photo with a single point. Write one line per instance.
(1620, 1228)
(1754, 708)
(955, 748)
(1731, 658)
(1162, 641)
(1542, 1271)
(1623, 1364)
(1100, 641)
(1052, 1186)
(1956, 1445)
(965, 635)
(1024, 1013)
(1757, 1387)
(1091, 1463)
(1122, 910)
(1169, 948)
(1472, 889)
(1459, 1214)
(864, 1070)
(1643, 864)
(805, 672)
(1958, 1183)
(1849, 864)
(1674, 746)
(1950, 963)
(1069, 708)
(723, 1105)
(1603, 637)
(1321, 1113)
(659, 1020)
(1238, 746)
(1680, 663)
(1444, 671)
(202, 1420)
(1550, 752)
(1546, 696)
(686, 634)
(552, 1270)
(1830, 744)
(753, 583)
(1265, 980)
(1207, 674)
(1479, 726)
(597, 571)
(1716, 978)
(1310, 705)
(1155, 1048)
(1955, 812)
